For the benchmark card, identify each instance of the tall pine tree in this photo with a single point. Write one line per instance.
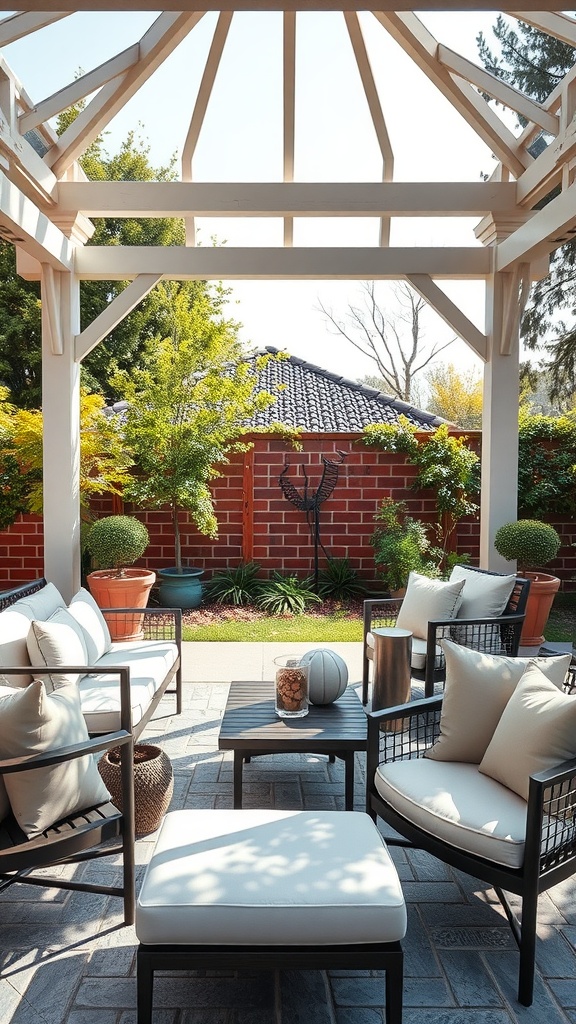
(535, 63)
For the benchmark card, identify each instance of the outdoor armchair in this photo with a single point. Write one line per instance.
(519, 840)
(495, 634)
(55, 808)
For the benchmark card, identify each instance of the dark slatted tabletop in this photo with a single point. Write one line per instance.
(250, 726)
(251, 723)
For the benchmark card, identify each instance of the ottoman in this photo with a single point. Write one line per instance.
(303, 890)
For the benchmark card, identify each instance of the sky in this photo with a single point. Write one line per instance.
(241, 140)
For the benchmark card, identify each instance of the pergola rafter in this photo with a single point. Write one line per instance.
(46, 204)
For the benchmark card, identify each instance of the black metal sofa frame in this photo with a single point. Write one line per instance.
(475, 633)
(550, 849)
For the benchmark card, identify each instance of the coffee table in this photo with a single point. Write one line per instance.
(250, 726)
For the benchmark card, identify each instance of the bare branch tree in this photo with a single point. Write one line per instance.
(393, 341)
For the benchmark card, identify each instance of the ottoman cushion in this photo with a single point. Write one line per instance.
(259, 877)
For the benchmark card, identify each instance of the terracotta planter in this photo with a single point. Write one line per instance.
(131, 590)
(543, 589)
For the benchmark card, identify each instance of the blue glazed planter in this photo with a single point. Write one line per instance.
(180, 589)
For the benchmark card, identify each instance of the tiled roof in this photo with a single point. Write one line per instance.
(317, 401)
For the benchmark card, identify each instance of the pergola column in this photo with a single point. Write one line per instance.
(61, 416)
(499, 496)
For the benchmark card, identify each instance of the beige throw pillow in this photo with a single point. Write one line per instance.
(477, 690)
(427, 599)
(484, 596)
(537, 731)
(33, 721)
(59, 641)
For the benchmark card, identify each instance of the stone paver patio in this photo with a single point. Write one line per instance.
(67, 959)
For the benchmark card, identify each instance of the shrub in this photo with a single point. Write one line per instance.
(285, 595)
(339, 581)
(401, 545)
(528, 542)
(116, 541)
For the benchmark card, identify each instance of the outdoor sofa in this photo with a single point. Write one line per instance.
(40, 634)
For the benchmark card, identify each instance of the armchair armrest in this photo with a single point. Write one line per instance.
(551, 820)
(422, 727)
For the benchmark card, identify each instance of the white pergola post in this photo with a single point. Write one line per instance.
(499, 495)
(61, 415)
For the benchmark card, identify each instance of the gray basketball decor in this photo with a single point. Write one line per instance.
(327, 676)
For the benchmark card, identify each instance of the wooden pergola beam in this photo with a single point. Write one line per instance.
(265, 5)
(183, 263)
(276, 199)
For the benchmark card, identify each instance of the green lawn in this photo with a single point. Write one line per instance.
(343, 624)
(307, 628)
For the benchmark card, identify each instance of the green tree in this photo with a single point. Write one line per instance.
(104, 460)
(187, 411)
(536, 62)
(20, 305)
(456, 396)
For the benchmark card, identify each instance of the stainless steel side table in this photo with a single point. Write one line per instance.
(392, 676)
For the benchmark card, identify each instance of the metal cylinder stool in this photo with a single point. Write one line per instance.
(392, 678)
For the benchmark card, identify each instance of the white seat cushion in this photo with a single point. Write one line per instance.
(260, 877)
(149, 661)
(454, 802)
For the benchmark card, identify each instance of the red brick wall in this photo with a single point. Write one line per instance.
(257, 521)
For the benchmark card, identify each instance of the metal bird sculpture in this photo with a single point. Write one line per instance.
(310, 501)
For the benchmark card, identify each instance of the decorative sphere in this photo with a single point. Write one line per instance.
(327, 676)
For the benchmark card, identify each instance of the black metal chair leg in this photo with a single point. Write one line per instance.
(393, 988)
(144, 987)
(527, 949)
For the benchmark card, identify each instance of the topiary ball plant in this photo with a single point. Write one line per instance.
(117, 541)
(529, 542)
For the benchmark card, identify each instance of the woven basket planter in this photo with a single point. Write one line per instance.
(153, 784)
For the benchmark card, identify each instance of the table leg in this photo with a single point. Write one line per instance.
(349, 780)
(238, 764)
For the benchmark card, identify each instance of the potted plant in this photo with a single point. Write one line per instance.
(401, 546)
(114, 543)
(532, 544)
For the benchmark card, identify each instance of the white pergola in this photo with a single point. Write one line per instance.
(46, 204)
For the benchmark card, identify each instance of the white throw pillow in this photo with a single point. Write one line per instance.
(536, 732)
(33, 721)
(59, 641)
(428, 599)
(477, 689)
(484, 596)
(84, 609)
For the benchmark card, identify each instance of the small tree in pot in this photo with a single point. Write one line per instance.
(187, 411)
(532, 544)
(114, 543)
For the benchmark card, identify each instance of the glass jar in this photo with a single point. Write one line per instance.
(291, 688)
